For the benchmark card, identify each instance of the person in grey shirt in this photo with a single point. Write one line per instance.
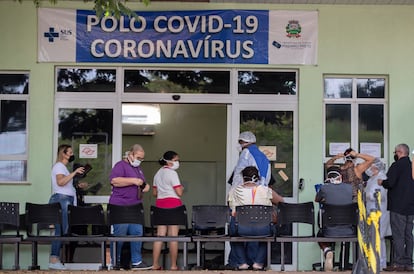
(334, 192)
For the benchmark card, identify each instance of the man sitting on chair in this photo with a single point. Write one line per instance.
(336, 193)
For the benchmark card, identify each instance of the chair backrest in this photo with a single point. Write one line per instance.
(254, 217)
(40, 217)
(296, 213)
(9, 218)
(125, 214)
(169, 216)
(332, 215)
(86, 220)
(210, 218)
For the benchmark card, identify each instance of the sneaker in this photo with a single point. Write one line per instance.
(141, 266)
(328, 260)
(243, 267)
(57, 266)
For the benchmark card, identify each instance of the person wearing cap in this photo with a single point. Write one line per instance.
(400, 186)
(251, 156)
(351, 171)
(250, 255)
(376, 173)
(334, 192)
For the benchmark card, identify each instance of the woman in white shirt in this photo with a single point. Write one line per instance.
(168, 190)
(64, 193)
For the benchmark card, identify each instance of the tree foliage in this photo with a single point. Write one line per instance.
(115, 8)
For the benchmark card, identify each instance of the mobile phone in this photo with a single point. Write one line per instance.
(87, 168)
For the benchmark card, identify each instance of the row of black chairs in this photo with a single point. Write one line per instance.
(209, 224)
(91, 224)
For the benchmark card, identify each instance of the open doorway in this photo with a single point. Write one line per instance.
(197, 132)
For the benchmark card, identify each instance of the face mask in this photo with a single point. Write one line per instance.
(369, 172)
(335, 181)
(395, 157)
(175, 165)
(136, 163)
(239, 148)
(71, 158)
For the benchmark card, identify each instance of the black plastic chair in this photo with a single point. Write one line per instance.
(9, 230)
(41, 219)
(254, 216)
(87, 223)
(333, 215)
(171, 216)
(257, 217)
(123, 214)
(294, 213)
(209, 224)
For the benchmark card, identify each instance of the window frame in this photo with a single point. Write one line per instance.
(18, 97)
(354, 103)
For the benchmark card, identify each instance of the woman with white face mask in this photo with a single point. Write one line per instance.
(128, 185)
(167, 189)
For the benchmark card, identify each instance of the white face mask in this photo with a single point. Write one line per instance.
(335, 181)
(239, 148)
(136, 163)
(175, 165)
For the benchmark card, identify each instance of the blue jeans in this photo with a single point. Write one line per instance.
(249, 252)
(64, 201)
(123, 230)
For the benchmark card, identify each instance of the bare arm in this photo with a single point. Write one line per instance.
(179, 190)
(126, 181)
(331, 161)
(360, 168)
(276, 198)
(62, 180)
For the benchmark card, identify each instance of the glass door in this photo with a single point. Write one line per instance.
(275, 127)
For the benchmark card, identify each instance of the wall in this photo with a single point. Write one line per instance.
(353, 39)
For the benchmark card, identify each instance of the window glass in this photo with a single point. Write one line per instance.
(89, 132)
(338, 124)
(13, 171)
(371, 88)
(371, 125)
(13, 127)
(14, 83)
(177, 81)
(85, 80)
(338, 88)
(274, 129)
(14, 95)
(266, 82)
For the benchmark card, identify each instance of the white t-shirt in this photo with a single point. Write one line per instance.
(250, 195)
(68, 189)
(165, 180)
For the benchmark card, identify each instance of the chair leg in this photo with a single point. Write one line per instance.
(34, 265)
(16, 256)
(1, 256)
(282, 256)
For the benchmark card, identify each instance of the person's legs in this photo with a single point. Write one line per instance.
(239, 252)
(408, 235)
(136, 230)
(157, 246)
(398, 224)
(118, 230)
(173, 231)
(64, 200)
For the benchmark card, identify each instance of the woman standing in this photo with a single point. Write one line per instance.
(64, 193)
(168, 190)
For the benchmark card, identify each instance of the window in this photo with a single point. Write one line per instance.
(267, 82)
(14, 95)
(355, 114)
(177, 81)
(85, 80)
